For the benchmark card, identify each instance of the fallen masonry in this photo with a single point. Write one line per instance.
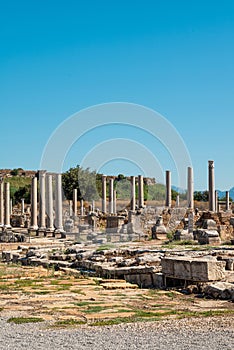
(210, 271)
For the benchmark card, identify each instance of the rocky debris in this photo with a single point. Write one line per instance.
(220, 290)
(142, 266)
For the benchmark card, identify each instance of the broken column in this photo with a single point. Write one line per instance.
(75, 202)
(58, 204)
(227, 201)
(133, 193)
(190, 188)
(216, 202)
(22, 206)
(168, 188)
(211, 186)
(34, 225)
(42, 201)
(1, 203)
(114, 201)
(140, 191)
(104, 194)
(49, 204)
(82, 207)
(111, 194)
(7, 223)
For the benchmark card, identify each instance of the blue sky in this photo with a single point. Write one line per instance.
(176, 57)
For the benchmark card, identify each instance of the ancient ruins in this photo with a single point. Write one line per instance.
(82, 227)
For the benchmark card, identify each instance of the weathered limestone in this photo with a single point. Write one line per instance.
(7, 223)
(22, 206)
(133, 193)
(227, 201)
(1, 203)
(140, 191)
(216, 202)
(93, 205)
(34, 225)
(159, 230)
(104, 194)
(193, 269)
(114, 201)
(190, 188)
(168, 188)
(49, 202)
(75, 202)
(111, 194)
(82, 207)
(211, 186)
(42, 201)
(58, 204)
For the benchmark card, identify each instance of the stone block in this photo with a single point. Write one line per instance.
(198, 270)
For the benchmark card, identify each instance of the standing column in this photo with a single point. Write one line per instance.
(7, 223)
(93, 205)
(216, 201)
(140, 191)
(22, 206)
(211, 186)
(82, 207)
(133, 193)
(42, 201)
(168, 188)
(58, 203)
(11, 206)
(190, 189)
(1, 204)
(114, 201)
(34, 225)
(227, 201)
(104, 194)
(75, 202)
(49, 203)
(111, 195)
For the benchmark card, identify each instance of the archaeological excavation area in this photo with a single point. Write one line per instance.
(75, 263)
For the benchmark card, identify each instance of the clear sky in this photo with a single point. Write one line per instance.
(176, 57)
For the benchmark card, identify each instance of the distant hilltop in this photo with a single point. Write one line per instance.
(6, 173)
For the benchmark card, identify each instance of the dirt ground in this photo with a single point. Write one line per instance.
(63, 299)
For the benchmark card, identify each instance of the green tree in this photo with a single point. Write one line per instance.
(84, 180)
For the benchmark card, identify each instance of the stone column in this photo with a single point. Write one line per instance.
(42, 201)
(49, 203)
(34, 225)
(70, 208)
(133, 193)
(227, 201)
(11, 207)
(75, 202)
(216, 202)
(104, 194)
(22, 206)
(211, 186)
(114, 201)
(82, 207)
(140, 191)
(7, 222)
(93, 205)
(168, 188)
(190, 189)
(1, 203)
(111, 194)
(58, 204)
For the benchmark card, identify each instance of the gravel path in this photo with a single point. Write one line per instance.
(208, 333)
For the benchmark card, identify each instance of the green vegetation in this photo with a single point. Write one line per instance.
(20, 320)
(69, 322)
